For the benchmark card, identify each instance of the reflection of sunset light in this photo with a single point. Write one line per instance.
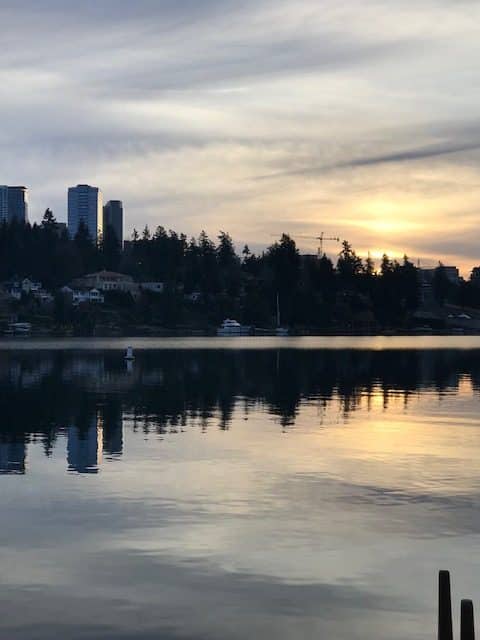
(465, 387)
(377, 399)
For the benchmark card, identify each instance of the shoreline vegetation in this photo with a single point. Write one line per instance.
(185, 287)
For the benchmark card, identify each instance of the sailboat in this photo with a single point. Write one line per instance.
(280, 331)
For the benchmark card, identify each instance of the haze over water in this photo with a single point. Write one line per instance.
(237, 489)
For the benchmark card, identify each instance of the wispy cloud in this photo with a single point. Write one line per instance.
(409, 155)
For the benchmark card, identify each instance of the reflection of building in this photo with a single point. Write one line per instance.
(113, 437)
(84, 448)
(12, 457)
(85, 207)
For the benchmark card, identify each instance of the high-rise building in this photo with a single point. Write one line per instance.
(85, 206)
(113, 218)
(17, 204)
(3, 203)
(13, 204)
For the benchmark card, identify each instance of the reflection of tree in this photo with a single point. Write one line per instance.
(169, 391)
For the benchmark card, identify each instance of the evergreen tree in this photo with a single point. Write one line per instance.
(349, 265)
(110, 249)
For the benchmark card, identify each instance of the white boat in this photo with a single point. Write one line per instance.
(19, 328)
(233, 328)
(129, 357)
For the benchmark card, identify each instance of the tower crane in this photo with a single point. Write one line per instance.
(321, 239)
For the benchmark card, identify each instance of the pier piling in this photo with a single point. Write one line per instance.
(467, 626)
(445, 627)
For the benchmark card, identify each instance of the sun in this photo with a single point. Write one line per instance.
(382, 217)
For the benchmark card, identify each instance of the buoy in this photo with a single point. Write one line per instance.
(129, 355)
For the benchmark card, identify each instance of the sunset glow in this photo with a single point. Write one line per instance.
(256, 118)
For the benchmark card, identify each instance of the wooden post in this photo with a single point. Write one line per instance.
(467, 625)
(445, 627)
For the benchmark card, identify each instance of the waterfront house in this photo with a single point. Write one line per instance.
(16, 287)
(78, 296)
(106, 281)
(153, 287)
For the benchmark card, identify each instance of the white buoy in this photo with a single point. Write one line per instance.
(129, 355)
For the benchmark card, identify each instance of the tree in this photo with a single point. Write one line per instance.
(441, 284)
(369, 267)
(209, 275)
(110, 249)
(229, 266)
(226, 251)
(283, 260)
(386, 266)
(349, 265)
(49, 221)
(87, 251)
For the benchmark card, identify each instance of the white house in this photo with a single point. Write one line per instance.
(43, 296)
(106, 281)
(15, 288)
(30, 286)
(154, 287)
(78, 296)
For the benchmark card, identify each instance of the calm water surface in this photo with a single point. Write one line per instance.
(240, 488)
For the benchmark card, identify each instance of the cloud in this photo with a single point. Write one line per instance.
(175, 107)
(411, 154)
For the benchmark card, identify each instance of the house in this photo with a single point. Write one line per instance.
(43, 296)
(78, 296)
(15, 288)
(106, 281)
(30, 286)
(153, 287)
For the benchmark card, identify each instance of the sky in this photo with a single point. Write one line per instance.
(354, 118)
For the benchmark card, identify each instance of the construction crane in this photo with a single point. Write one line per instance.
(321, 239)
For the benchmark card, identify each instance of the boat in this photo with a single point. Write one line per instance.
(233, 328)
(19, 329)
(280, 331)
(423, 330)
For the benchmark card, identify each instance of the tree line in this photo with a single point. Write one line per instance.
(207, 280)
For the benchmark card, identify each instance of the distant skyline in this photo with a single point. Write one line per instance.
(253, 117)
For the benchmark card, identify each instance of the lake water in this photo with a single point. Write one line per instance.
(240, 488)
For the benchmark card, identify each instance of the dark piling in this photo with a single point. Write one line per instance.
(445, 627)
(467, 628)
